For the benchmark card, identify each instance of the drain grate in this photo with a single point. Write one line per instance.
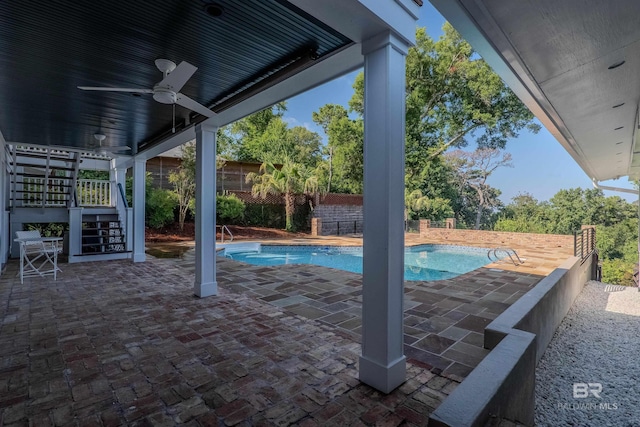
(614, 288)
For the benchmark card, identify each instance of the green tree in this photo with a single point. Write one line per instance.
(244, 132)
(345, 139)
(452, 96)
(419, 206)
(184, 187)
(616, 224)
(524, 215)
(473, 170)
(287, 181)
(266, 137)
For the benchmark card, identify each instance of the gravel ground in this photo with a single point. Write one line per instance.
(595, 351)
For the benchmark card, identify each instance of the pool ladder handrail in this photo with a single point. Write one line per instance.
(224, 227)
(511, 253)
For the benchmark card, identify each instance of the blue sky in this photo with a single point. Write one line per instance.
(541, 165)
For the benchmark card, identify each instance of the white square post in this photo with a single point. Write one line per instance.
(205, 284)
(139, 184)
(383, 364)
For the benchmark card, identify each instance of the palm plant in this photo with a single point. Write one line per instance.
(288, 180)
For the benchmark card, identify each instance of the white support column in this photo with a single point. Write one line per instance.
(5, 236)
(75, 235)
(383, 364)
(139, 175)
(115, 173)
(205, 284)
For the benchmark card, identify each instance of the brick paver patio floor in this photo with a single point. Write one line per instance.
(116, 343)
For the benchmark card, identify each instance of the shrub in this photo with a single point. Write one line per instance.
(52, 229)
(229, 207)
(160, 206)
(618, 272)
(271, 216)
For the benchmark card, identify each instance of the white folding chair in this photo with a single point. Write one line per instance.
(38, 255)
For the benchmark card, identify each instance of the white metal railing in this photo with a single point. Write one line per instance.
(33, 192)
(223, 229)
(94, 192)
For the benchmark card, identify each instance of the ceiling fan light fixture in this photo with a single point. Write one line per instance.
(164, 96)
(99, 136)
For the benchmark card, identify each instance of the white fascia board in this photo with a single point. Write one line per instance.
(339, 64)
(173, 141)
(362, 19)
(95, 164)
(470, 19)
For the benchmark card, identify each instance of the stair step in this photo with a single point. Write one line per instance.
(103, 236)
(104, 253)
(110, 218)
(101, 228)
(100, 245)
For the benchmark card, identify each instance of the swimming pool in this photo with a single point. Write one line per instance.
(423, 262)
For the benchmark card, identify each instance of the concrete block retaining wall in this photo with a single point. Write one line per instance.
(503, 384)
(349, 216)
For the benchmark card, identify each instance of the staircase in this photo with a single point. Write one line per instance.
(102, 233)
(42, 177)
(44, 188)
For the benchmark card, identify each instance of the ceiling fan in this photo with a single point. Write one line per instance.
(106, 150)
(167, 91)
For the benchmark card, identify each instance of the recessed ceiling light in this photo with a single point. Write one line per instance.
(214, 9)
(616, 65)
(619, 127)
(618, 105)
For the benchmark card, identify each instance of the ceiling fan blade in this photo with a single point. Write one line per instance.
(116, 89)
(178, 77)
(117, 148)
(192, 105)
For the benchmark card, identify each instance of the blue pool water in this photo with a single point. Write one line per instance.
(424, 262)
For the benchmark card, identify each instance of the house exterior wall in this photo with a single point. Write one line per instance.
(160, 168)
(231, 177)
